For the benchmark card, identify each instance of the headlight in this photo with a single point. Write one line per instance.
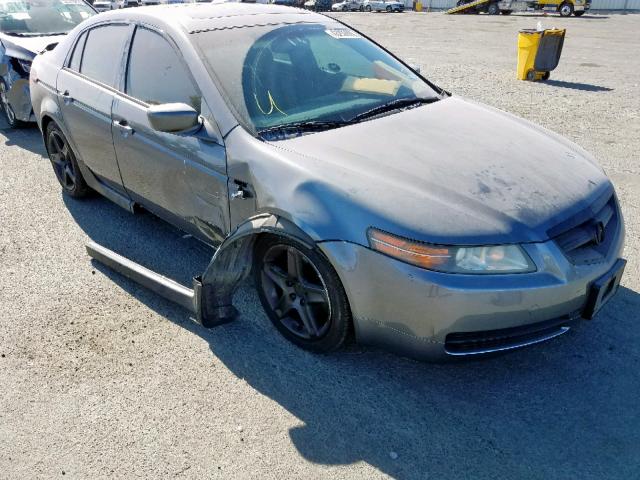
(488, 259)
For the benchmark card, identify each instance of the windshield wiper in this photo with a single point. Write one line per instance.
(396, 104)
(298, 128)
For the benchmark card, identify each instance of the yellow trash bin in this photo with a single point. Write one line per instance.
(418, 6)
(539, 53)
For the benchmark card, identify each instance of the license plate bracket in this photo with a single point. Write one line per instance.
(603, 289)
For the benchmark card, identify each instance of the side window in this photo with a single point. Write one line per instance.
(156, 73)
(102, 53)
(74, 64)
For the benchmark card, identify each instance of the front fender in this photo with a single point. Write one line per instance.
(233, 262)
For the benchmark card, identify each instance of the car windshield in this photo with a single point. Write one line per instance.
(314, 73)
(41, 17)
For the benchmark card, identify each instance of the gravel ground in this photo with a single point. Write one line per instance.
(101, 378)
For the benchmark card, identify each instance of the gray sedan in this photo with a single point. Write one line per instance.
(366, 202)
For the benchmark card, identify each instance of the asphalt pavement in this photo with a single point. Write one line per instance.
(102, 378)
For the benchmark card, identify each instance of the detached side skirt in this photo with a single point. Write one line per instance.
(210, 308)
(211, 298)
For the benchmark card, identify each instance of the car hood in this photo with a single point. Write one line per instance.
(26, 48)
(451, 172)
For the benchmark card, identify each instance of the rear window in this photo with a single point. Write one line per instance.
(74, 64)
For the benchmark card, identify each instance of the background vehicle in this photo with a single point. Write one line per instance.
(423, 245)
(318, 5)
(104, 5)
(382, 6)
(493, 7)
(26, 28)
(347, 6)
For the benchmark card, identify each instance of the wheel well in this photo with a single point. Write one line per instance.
(46, 120)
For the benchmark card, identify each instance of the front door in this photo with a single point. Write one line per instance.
(177, 176)
(86, 89)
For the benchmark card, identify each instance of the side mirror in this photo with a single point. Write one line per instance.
(173, 117)
(414, 67)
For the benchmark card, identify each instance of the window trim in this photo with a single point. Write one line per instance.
(87, 30)
(172, 44)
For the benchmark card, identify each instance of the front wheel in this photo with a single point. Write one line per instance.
(566, 9)
(388, 9)
(302, 294)
(368, 8)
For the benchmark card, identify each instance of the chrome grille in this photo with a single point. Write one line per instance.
(590, 240)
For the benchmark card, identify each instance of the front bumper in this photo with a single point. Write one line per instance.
(418, 312)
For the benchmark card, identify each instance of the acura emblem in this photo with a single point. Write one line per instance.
(598, 237)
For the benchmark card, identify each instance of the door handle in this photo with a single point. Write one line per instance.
(66, 97)
(125, 128)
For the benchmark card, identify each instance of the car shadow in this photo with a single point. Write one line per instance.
(27, 138)
(565, 408)
(586, 87)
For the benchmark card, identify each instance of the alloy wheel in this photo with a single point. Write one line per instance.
(60, 155)
(295, 292)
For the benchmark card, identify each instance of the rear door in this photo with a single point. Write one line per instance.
(86, 88)
(177, 176)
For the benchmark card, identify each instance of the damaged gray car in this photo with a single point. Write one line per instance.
(366, 202)
(28, 27)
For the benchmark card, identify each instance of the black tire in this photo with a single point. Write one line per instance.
(565, 9)
(64, 163)
(9, 116)
(301, 294)
(493, 9)
(388, 9)
(546, 75)
(531, 75)
(578, 14)
(368, 8)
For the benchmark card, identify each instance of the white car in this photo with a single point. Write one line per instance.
(347, 6)
(104, 5)
(382, 6)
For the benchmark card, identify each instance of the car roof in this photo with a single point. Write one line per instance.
(199, 17)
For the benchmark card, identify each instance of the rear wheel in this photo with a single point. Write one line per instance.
(388, 9)
(546, 75)
(493, 9)
(64, 163)
(302, 294)
(9, 115)
(565, 9)
(368, 8)
(531, 75)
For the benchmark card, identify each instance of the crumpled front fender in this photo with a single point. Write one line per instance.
(233, 262)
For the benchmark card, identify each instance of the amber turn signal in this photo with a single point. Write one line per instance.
(420, 254)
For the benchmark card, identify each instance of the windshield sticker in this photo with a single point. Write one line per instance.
(341, 33)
